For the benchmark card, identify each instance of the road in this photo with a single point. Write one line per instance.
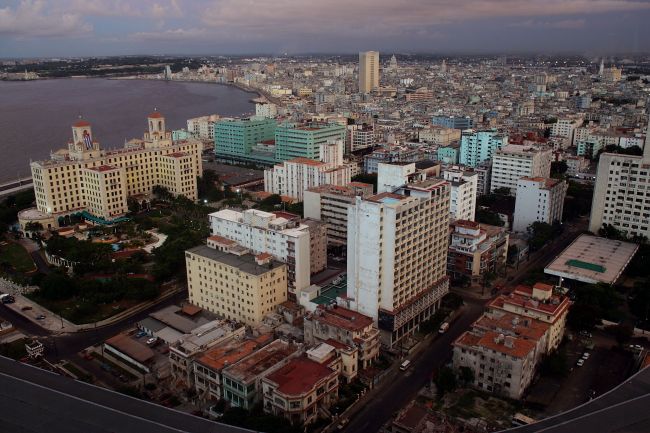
(379, 405)
(65, 346)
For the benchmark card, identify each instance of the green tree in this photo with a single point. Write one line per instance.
(542, 233)
(466, 375)
(622, 332)
(484, 216)
(445, 381)
(370, 178)
(558, 169)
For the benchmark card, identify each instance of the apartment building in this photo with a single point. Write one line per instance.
(208, 382)
(235, 139)
(368, 71)
(95, 183)
(463, 193)
(538, 302)
(263, 232)
(453, 122)
(479, 146)
(538, 199)
(361, 137)
(397, 248)
(621, 193)
(293, 177)
(501, 364)
(390, 154)
(317, 244)
(476, 249)
(190, 345)
(294, 140)
(227, 280)
(328, 324)
(513, 162)
(576, 164)
(203, 127)
(566, 128)
(439, 135)
(393, 176)
(300, 391)
(242, 381)
(330, 203)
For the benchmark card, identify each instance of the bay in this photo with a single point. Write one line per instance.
(36, 116)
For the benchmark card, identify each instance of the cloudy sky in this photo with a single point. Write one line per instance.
(106, 27)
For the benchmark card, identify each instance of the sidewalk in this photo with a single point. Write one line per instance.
(57, 325)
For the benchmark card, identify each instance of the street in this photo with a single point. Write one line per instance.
(396, 390)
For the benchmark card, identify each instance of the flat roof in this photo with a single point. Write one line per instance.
(131, 347)
(245, 263)
(592, 259)
(299, 376)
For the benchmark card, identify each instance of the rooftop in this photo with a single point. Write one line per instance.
(245, 263)
(342, 317)
(592, 259)
(133, 348)
(250, 367)
(299, 376)
(229, 353)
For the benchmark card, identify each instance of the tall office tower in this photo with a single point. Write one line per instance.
(397, 256)
(620, 196)
(368, 71)
(601, 70)
(443, 66)
(479, 146)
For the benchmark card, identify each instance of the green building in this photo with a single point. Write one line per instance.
(234, 139)
(293, 141)
(447, 154)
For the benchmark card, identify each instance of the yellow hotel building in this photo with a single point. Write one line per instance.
(85, 178)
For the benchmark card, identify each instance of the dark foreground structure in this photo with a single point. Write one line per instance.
(36, 401)
(624, 409)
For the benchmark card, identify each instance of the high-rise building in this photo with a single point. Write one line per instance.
(293, 177)
(303, 141)
(95, 183)
(620, 196)
(463, 186)
(479, 146)
(233, 283)
(202, 127)
(397, 256)
(538, 199)
(368, 71)
(330, 203)
(453, 122)
(512, 162)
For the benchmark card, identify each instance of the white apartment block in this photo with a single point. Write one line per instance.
(513, 162)
(538, 199)
(266, 109)
(464, 187)
(576, 164)
(622, 193)
(203, 127)
(293, 177)
(264, 232)
(566, 128)
(397, 256)
(330, 203)
(86, 178)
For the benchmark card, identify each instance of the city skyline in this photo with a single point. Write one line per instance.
(82, 28)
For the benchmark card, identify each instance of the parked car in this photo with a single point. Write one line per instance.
(580, 362)
(26, 308)
(585, 356)
(152, 341)
(40, 317)
(140, 334)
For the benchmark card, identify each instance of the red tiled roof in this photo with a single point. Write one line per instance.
(299, 376)
(80, 124)
(155, 115)
(306, 161)
(342, 317)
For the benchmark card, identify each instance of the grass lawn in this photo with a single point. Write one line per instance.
(17, 257)
(15, 349)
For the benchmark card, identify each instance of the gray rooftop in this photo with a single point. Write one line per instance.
(37, 401)
(245, 263)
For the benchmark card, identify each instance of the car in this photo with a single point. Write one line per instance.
(106, 367)
(26, 308)
(580, 362)
(585, 356)
(342, 423)
(585, 334)
(152, 341)
(40, 317)
(140, 334)
(636, 347)
(88, 356)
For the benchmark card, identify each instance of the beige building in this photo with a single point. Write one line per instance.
(368, 71)
(512, 162)
(300, 391)
(341, 325)
(317, 244)
(87, 179)
(231, 282)
(439, 135)
(330, 203)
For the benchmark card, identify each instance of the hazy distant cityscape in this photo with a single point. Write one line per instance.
(436, 219)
